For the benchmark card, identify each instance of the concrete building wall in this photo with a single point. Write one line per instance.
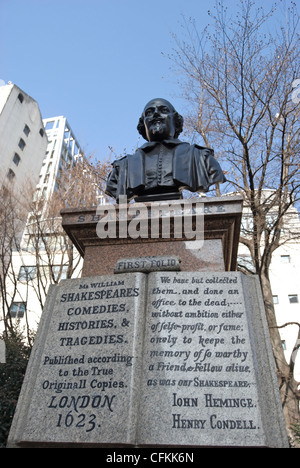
(62, 149)
(23, 140)
(31, 275)
(33, 284)
(285, 282)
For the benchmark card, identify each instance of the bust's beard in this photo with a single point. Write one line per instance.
(158, 129)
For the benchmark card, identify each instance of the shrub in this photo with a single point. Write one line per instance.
(11, 378)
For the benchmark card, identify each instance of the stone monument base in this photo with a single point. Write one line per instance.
(161, 343)
(177, 359)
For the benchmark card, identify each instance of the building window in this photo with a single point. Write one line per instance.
(27, 273)
(246, 262)
(285, 259)
(44, 193)
(275, 300)
(16, 159)
(17, 309)
(26, 130)
(283, 344)
(36, 195)
(22, 144)
(50, 125)
(10, 174)
(59, 272)
(42, 132)
(21, 97)
(34, 244)
(293, 298)
(49, 168)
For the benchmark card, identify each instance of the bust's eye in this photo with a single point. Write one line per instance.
(165, 110)
(149, 111)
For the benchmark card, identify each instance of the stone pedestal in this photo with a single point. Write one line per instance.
(161, 359)
(82, 383)
(167, 352)
(218, 218)
(208, 372)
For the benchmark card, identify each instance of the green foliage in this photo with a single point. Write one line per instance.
(11, 378)
(296, 430)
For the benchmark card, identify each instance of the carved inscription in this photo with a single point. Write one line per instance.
(86, 373)
(147, 264)
(198, 367)
(158, 359)
(180, 371)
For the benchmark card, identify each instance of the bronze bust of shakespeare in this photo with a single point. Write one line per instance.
(164, 166)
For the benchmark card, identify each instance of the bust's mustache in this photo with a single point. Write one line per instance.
(156, 124)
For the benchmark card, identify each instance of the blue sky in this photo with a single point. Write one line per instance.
(97, 62)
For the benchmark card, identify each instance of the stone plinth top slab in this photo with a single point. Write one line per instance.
(186, 223)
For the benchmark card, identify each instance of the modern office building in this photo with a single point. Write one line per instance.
(284, 277)
(46, 256)
(23, 140)
(23, 144)
(62, 150)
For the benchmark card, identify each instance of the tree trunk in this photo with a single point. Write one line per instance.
(287, 385)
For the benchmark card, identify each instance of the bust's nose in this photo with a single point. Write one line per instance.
(156, 111)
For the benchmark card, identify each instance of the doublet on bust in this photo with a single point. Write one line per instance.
(159, 167)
